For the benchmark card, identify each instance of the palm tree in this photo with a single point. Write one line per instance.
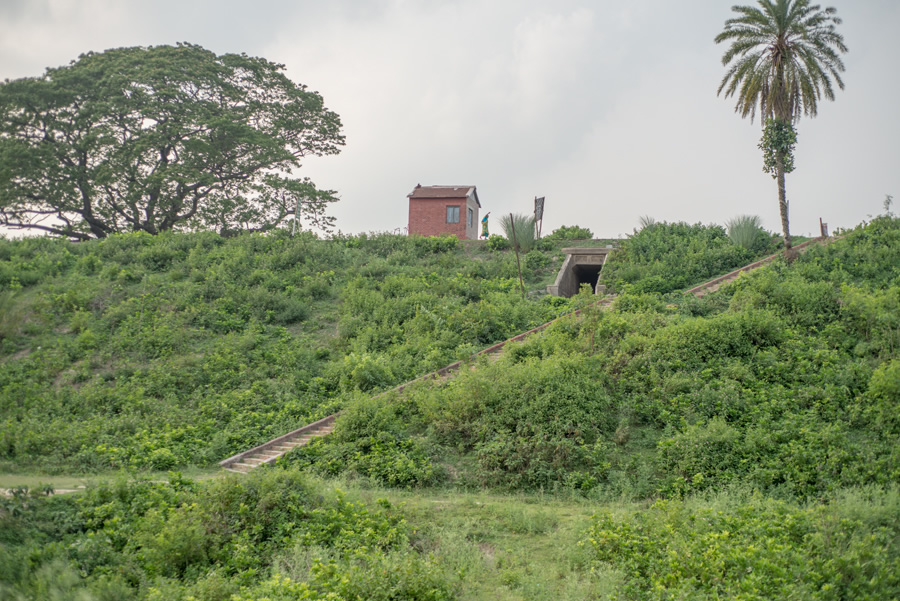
(784, 57)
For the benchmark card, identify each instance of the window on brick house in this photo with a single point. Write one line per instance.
(471, 221)
(453, 214)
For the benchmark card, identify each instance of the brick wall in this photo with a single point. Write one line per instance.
(428, 217)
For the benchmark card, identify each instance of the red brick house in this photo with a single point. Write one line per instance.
(437, 210)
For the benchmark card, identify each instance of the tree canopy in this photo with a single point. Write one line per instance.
(161, 138)
(784, 56)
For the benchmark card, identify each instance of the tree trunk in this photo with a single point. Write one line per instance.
(783, 205)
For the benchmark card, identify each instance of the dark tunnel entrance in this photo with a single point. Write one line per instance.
(587, 274)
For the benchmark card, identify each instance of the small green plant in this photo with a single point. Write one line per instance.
(535, 260)
(497, 242)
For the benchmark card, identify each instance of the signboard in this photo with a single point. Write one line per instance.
(538, 208)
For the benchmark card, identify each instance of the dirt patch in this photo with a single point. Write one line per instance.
(488, 551)
(16, 356)
(8, 492)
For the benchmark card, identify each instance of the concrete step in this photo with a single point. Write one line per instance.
(260, 459)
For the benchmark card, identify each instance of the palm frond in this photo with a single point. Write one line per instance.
(782, 58)
(646, 221)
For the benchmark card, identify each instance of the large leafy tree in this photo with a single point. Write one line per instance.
(161, 138)
(783, 57)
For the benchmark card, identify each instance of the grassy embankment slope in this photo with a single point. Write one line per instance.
(739, 446)
(163, 352)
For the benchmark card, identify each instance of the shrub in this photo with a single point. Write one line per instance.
(530, 421)
(571, 232)
(496, 242)
(436, 244)
(754, 549)
(701, 456)
(663, 257)
(375, 577)
(535, 260)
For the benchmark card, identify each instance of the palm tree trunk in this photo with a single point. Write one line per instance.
(782, 203)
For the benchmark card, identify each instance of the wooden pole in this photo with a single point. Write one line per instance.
(512, 225)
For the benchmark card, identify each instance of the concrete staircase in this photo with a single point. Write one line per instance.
(270, 451)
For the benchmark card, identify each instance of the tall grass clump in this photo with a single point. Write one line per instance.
(525, 235)
(646, 221)
(745, 231)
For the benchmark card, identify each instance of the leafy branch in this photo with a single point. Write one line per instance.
(778, 140)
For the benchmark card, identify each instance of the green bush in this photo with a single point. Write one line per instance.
(142, 539)
(371, 439)
(496, 242)
(535, 260)
(755, 549)
(702, 456)
(377, 577)
(571, 232)
(561, 411)
(663, 257)
(436, 244)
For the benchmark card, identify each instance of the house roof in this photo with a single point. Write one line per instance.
(421, 191)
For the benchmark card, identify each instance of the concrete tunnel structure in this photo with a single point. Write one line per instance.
(582, 266)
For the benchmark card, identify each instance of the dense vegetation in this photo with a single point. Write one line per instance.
(157, 352)
(180, 540)
(664, 257)
(738, 446)
(786, 380)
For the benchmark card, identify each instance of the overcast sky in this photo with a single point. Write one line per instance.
(608, 109)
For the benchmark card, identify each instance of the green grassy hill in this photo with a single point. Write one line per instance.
(738, 446)
(160, 352)
(786, 380)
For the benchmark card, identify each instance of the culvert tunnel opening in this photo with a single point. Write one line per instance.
(587, 274)
(582, 266)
